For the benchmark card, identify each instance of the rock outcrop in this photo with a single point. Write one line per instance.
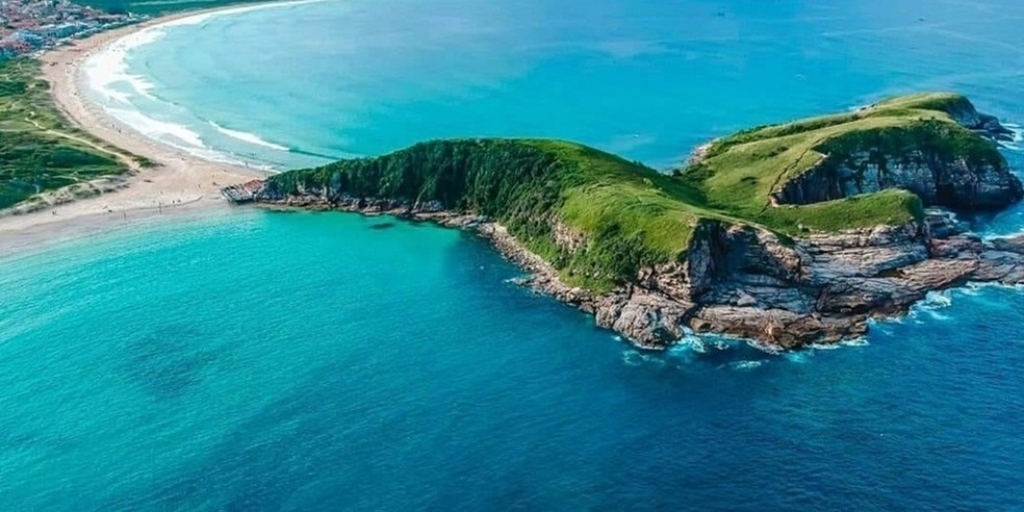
(746, 282)
(927, 158)
(964, 113)
(937, 181)
(824, 288)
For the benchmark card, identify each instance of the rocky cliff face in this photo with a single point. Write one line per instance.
(920, 159)
(743, 281)
(964, 113)
(938, 181)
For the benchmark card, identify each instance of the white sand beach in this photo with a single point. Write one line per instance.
(179, 184)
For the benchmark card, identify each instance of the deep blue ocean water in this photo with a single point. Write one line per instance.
(265, 361)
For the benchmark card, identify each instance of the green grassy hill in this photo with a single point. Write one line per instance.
(739, 173)
(599, 218)
(631, 215)
(39, 151)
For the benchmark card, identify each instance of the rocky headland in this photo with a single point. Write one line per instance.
(866, 228)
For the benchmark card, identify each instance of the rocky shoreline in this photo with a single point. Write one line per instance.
(747, 282)
(743, 280)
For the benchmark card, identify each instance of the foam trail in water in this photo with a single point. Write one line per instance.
(935, 315)
(637, 358)
(744, 365)
(798, 357)
(856, 342)
(247, 137)
(824, 346)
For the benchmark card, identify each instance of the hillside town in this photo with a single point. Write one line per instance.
(30, 25)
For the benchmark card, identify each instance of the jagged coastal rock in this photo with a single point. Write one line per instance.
(784, 235)
(913, 158)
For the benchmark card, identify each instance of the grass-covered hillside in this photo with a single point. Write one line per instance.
(739, 173)
(629, 214)
(39, 150)
(599, 218)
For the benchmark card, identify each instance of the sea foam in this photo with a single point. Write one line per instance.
(1018, 137)
(178, 136)
(109, 67)
(107, 74)
(745, 365)
(247, 137)
(160, 130)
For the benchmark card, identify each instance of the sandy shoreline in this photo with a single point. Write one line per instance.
(180, 183)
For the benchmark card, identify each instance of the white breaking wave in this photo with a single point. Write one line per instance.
(856, 342)
(109, 67)
(1018, 137)
(744, 365)
(824, 346)
(106, 73)
(160, 130)
(177, 136)
(976, 288)
(636, 358)
(247, 137)
(929, 307)
(936, 300)
(798, 357)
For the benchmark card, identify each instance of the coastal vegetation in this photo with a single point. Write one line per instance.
(599, 218)
(39, 150)
(630, 214)
(740, 173)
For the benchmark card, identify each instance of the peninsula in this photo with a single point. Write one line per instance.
(785, 234)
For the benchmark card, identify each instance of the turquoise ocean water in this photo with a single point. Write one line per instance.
(261, 361)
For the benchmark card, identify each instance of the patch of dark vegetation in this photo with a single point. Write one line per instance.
(34, 157)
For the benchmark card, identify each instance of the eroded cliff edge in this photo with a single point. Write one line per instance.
(726, 245)
(746, 282)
